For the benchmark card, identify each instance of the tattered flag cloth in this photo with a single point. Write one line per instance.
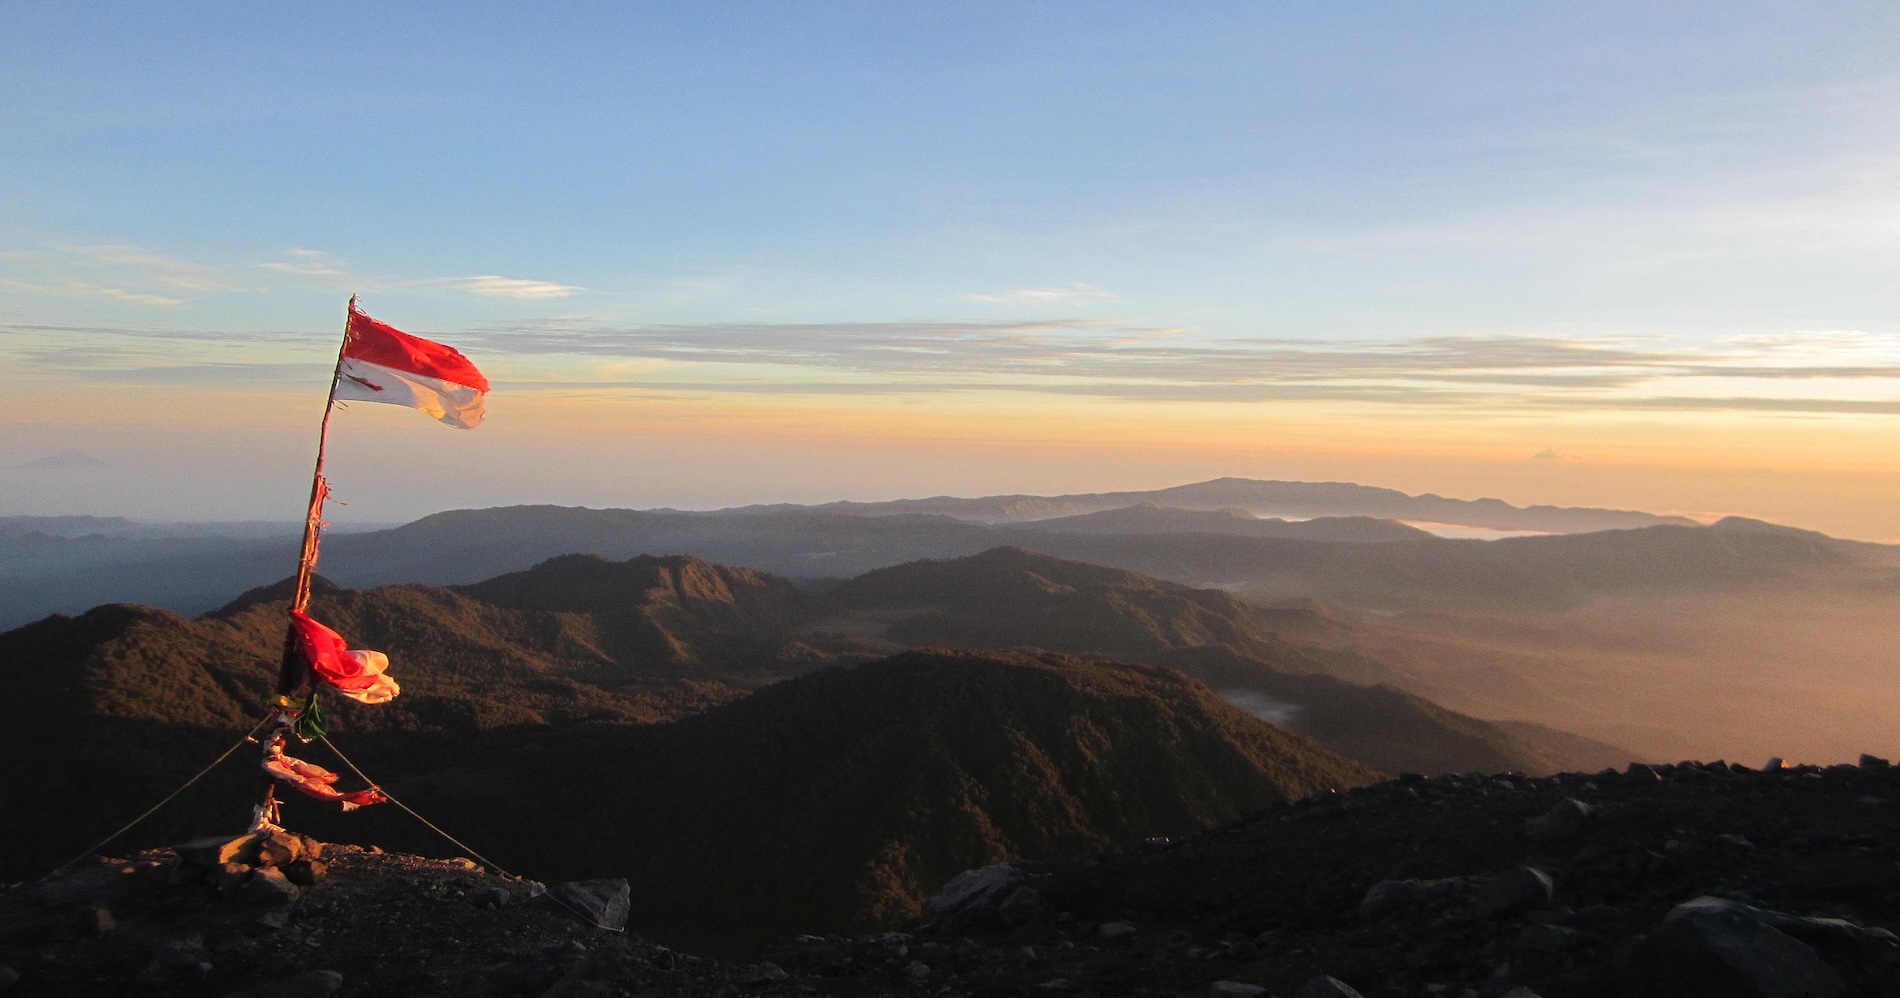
(358, 674)
(384, 364)
(314, 781)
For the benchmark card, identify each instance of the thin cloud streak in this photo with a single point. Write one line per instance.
(1094, 349)
(1070, 357)
(496, 286)
(1072, 294)
(133, 274)
(66, 287)
(171, 272)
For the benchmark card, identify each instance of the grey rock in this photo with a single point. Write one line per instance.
(1389, 896)
(8, 977)
(1773, 765)
(974, 896)
(268, 886)
(1115, 932)
(1235, 989)
(1059, 984)
(603, 903)
(1327, 987)
(1873, 762)
(494, 897)
(309, 984)
(1810, 927)
(1521, 992)
(917, 971)
(1559, 822)
(1712, 954)
(1515, 892)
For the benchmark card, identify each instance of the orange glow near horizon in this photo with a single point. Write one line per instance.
(701, 449)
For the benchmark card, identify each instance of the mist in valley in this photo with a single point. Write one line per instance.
(1801, 673)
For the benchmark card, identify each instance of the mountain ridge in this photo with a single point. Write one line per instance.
(41, 572)
(1272, 498)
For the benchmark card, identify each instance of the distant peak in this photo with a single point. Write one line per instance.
(282, 589)
(1750, 525)
(66, 460)
(587, 582)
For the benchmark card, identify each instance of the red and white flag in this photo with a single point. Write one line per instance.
(384, 364)
(357, 673)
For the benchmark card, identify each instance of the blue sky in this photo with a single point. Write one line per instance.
(1614, 209)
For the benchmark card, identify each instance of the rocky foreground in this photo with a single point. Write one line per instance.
(1687, 880)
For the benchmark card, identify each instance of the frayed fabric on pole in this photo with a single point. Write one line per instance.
(357, 673)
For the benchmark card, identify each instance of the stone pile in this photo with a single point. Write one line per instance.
(269, 866)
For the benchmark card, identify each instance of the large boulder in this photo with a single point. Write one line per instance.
(1515, 892)
(1726, 954)
(1813, 928)
(1390, 897)
(997, 895)
(1560, 822)
(603, 903)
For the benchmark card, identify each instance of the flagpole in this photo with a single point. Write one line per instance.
(291, 668)
(288, 677)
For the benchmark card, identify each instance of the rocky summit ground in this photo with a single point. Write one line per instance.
(1687, 880)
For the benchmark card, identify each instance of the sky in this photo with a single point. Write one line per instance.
(1639, 255)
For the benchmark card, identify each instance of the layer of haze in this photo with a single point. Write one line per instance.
(1635, 255)
(1805, 675)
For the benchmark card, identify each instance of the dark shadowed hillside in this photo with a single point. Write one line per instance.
(836, 799)
(840, 799)
(122, 701)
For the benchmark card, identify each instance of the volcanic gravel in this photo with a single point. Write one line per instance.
(1271, 905)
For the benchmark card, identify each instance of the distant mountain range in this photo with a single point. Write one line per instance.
(63, 564)
(1298, 500)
